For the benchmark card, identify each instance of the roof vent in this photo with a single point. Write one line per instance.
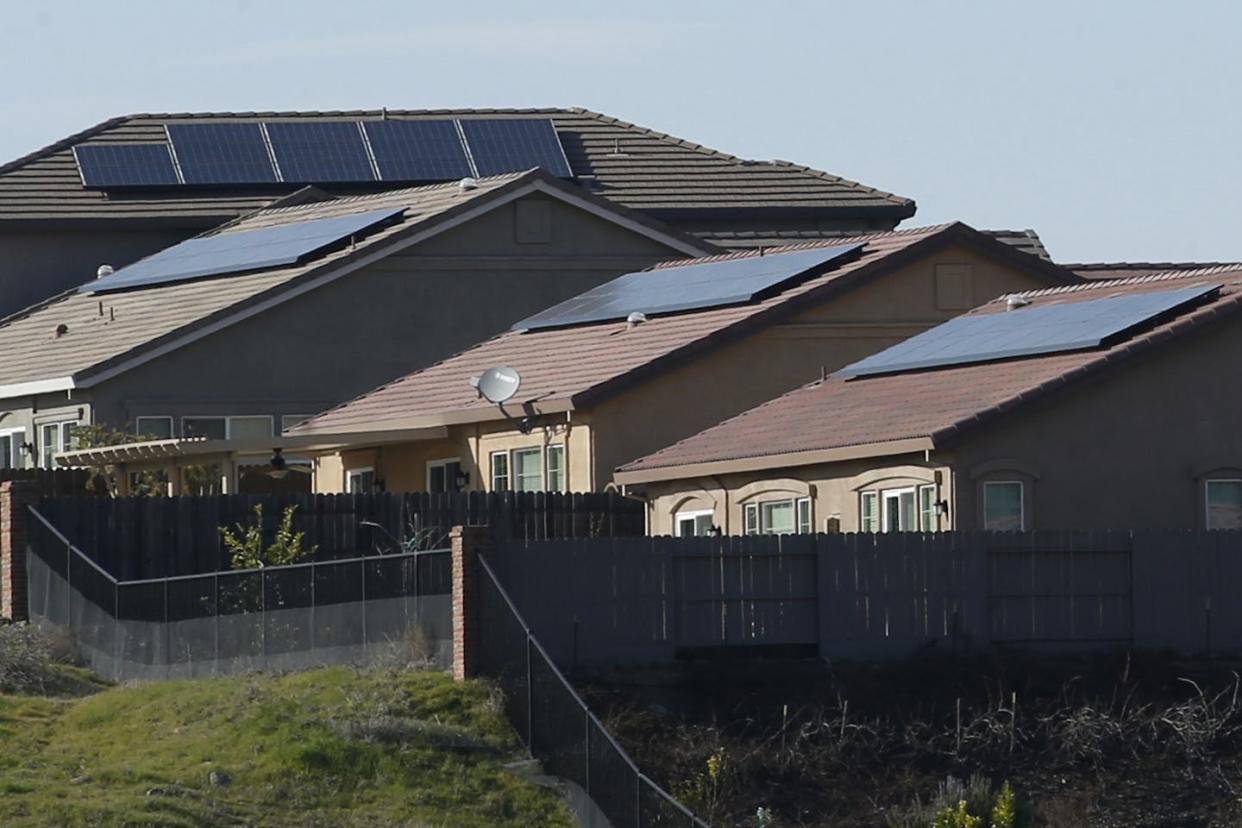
(104, 271)
(1015, 301)
(636, 318)
(61, 330)
(468, 184)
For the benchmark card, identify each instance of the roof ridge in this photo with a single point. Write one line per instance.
(1154, 265)
(362, 198)
(1105, 284)
(63, 143)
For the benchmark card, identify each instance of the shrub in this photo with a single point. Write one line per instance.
(247, 545)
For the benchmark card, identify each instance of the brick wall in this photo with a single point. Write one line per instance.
(467, 542)
(15, 497)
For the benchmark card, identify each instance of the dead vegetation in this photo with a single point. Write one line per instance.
(1110, 741)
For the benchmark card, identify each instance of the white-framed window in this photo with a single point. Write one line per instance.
(1223, 503)
(777, 517)
(928, 519)
(53, 439)
(869, 512)
(360, 481)
(243, 427)
(1004, 509)
(442, 475)
(153, 428)
(898, 513)
(556, 467)
(11, 441)
(694, 523)
(527, 469)
(500, 471)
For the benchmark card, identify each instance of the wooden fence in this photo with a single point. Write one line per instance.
(155, 537)
(62, 482)
(650, 600)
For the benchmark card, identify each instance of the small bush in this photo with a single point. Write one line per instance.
(958, 804)
(26, 659)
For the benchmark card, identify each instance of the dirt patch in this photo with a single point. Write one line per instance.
(1133, 742)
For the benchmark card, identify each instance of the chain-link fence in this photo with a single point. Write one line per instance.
(556, 724)
(385, 609)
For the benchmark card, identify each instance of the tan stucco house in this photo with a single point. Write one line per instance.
(1011, 417)
(597, 393)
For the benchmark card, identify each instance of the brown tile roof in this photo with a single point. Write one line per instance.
(1027, 241)
(631, 165)
(1124, 270)
(575, 366)
(106, 329)
(937, 404)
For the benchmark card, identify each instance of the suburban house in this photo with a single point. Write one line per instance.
(291, 309)
(1110, 404)
(134, 185)
(658, 355)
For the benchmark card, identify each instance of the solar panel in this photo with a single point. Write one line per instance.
(125, 165)
(222, 153)
(506, 145)
(240, 251)
(418, 150)
(1045, 329)
(689, 287)
(320, 152)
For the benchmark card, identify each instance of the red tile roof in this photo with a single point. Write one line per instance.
(936, 404)
(570, 367)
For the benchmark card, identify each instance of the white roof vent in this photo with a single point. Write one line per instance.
(636, 318)
(1015, 301)
(468, 184)
(104, 271)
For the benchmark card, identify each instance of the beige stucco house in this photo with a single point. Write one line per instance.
(596, 394)
(1011, 417)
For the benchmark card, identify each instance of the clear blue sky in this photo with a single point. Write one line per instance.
(1112, 128)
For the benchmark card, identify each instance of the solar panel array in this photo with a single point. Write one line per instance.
(689, 287)
(125, 165)
(1028, 331)
(326, 152)
(241, 251)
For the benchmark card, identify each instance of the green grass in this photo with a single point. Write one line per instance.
(323, 748)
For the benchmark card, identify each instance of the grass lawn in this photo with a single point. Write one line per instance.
(323, 748)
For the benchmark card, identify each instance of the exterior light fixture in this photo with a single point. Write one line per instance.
(280, 468)
(942, 508)
(461, 480)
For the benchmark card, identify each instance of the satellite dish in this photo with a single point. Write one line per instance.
(498, 384)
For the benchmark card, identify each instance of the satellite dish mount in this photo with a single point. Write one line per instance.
(499, 385)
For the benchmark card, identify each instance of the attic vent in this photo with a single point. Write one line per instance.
(636, 318)
(1014, 302)
(61, 330)
(468, 184)
(104, 271)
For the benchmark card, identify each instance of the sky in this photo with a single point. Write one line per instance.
(1111, 128)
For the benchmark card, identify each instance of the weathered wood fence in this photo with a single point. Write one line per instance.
(157, 537)
(650, 600)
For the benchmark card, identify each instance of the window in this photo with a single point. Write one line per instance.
(1224, 504)
(360, 481)
(500, 471)
(1002, 507)
(556, 468)
(777, 517)
(527, 470)
(928, 519)
(869, 512)
(805, 522)
(55, 438)
(228, 428)
(154, 428)
(694, 523)
(442, 475)
(11, 440)
(899, 514)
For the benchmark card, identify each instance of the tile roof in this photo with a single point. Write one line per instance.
(938, 404)
(1027, 241)
(607, 355)
(105, 329)
(631, 165)
(1122, 270)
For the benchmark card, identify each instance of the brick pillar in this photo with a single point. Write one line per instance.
(15, 497)
(467, 542)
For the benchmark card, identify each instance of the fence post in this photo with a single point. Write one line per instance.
(466, 542)
(16, 496)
